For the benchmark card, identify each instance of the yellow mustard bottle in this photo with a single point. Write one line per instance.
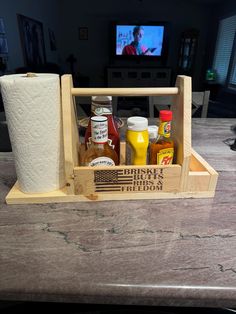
(137, 141)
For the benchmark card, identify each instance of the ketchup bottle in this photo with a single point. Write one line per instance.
(102, 106)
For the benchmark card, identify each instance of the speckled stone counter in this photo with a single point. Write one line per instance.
(179, 252)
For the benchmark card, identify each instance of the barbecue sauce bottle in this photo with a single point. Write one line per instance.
(99, 152)
(102, 106)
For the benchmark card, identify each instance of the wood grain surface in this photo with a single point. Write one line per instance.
(179, 252)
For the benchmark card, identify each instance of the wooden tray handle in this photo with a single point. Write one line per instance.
(136, 91)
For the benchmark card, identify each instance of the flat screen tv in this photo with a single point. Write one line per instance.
(138, 41)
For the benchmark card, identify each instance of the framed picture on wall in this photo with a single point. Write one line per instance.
(52, 40)
(83, 33)
(3, 46)
(2, 27)
(32, 40)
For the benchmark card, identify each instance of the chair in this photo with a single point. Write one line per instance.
(199, 99)
(114, 105)
(160, 103)
(5, 144)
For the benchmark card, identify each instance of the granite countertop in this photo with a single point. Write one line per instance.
(179, 252)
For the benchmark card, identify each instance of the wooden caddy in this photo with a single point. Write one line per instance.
(190, 177)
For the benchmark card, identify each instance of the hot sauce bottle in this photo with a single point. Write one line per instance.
(99, 152)
(102, 106)
(162, 152)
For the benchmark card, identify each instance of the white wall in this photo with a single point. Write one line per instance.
(44, 11)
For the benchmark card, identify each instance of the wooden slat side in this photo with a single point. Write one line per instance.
(203, 162)
(196, 165)
(129, 179)
(198, 181)
(120, 167)
(181, 126)
(70, 131)
(15, 196)
(214, 174)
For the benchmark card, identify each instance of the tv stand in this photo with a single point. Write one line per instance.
(138, 77)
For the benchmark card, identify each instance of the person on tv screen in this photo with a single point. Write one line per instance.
(135, 47)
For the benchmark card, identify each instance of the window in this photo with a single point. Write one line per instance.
(232, 71)
(225, 55)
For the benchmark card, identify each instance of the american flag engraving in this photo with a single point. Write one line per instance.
(111, 180)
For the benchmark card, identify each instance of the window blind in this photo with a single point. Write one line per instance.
(224, 45)
(232, 76)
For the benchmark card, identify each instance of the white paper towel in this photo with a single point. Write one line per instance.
(33, 113)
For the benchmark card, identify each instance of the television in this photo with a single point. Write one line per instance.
(139, 41)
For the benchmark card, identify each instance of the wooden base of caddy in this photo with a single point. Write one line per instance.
(190, 177)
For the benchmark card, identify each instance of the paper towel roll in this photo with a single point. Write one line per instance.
(33, 112)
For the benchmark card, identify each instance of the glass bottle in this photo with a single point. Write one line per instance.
(162, 152)
(153, 136)
(102, 106)
(99, 152)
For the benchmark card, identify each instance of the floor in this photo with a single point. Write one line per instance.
(70, 308)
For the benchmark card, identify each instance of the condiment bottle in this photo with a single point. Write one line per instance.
(162, 152)
(153, 136)
(136, 141)
(99, 152)
(102, 106)
(152, 133)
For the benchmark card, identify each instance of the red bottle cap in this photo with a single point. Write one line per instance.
(165, 115)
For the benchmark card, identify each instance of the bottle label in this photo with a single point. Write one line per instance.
(90, 142)
(99, 131)
(102, 161)
(165, 156)
(133, 157)
(165, 128)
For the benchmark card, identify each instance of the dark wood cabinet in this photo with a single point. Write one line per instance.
(138, 77)
(187, 51)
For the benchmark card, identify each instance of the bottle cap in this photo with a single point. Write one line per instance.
(152, 132)
(102, 98)
(137, 123)
(101, 105)
(165, 115)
